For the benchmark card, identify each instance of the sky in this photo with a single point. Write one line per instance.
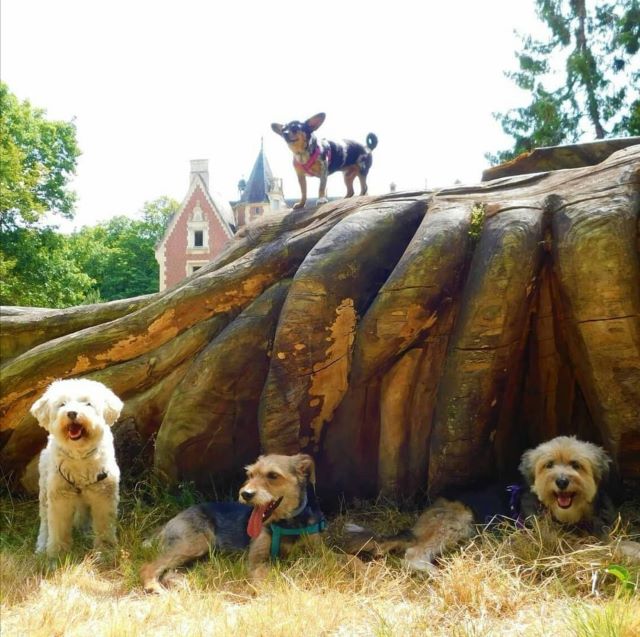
(151, 85)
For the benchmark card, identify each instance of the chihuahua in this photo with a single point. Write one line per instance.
(321, 157)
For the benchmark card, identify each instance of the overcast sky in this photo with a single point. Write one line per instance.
(154, 84)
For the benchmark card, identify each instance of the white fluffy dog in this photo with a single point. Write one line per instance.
(79, 475)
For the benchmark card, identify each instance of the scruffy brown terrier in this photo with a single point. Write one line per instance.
(277, 506)
(563, 481)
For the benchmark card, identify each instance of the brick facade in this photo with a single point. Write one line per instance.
(197, 232)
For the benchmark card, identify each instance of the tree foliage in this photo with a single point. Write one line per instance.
(581, 77)
(119, 254)
(38, 268)
(113, 260)
(38, 265)
(37, 159)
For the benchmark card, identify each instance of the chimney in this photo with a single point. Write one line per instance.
(200, 167)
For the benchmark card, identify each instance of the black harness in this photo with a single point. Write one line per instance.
(99, 478)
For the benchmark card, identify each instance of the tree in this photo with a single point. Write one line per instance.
(596, 45)
(409, 341)
(37, 159)
(119, 254)
(38, 268)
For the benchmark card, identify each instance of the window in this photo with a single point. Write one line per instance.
(194, 266)
(197, 231)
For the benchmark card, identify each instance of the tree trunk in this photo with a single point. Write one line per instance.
(410, 342)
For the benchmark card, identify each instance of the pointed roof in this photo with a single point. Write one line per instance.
(221, 208)
(257, 188)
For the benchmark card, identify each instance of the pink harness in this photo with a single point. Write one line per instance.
(312, 160)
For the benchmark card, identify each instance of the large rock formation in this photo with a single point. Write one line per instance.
(408, 341)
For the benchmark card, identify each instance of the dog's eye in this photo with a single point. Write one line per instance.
(575, 465)
(272, 475)
(549, 464)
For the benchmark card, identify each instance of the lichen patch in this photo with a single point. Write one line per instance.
(329, 378)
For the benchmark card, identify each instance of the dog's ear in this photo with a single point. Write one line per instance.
(40, 410)
(305, 467)
(528, 465)
(112, 406)
(277, 128)
(249, 467)
(316, 121)
(600, 462)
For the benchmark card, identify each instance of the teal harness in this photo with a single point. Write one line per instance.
(278, 531)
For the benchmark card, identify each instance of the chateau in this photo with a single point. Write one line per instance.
(205, 222)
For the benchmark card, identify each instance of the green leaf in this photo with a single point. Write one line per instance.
(618, 571)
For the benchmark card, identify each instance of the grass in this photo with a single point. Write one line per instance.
(515, 582)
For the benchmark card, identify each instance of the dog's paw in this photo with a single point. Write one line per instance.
(56, 551)
(258, 574)
(419, 560)
(299, 205)
(322, 200)
(154, 587)
(104, 543)
(150, 582)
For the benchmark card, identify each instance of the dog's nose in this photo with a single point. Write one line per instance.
(72, 415)
(247, 495)
(562, 482)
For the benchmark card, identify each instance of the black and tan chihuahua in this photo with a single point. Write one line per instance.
(322, 157)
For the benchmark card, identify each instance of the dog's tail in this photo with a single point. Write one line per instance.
(372, 141)
(359, 540)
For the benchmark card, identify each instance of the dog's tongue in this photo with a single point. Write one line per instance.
(75, 430)
(564, 500)
(255, 521)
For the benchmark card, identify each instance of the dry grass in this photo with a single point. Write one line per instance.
(527, 582)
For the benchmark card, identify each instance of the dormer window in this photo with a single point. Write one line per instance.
(197, 231)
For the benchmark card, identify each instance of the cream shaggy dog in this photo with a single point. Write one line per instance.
(79, 476)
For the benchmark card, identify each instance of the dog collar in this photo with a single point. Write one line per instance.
(301, 508)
